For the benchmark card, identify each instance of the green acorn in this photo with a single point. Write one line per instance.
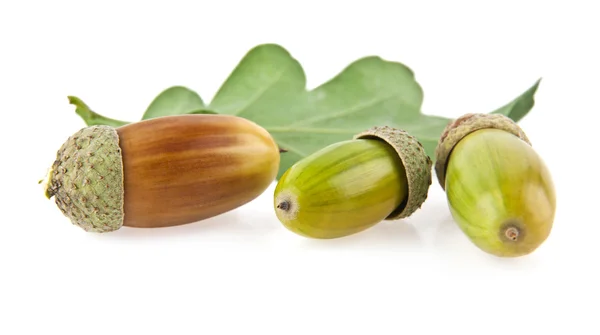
(499, 190)
(347, 187)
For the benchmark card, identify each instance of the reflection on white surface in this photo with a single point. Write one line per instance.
(430, 230)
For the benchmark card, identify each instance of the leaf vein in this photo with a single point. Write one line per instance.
(352, 110)
(310, 130)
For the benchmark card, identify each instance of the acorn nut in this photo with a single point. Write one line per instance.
(161, 172)
(499, 190)
(347, 187)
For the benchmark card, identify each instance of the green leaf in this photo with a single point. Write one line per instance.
(520, 106)
(369, 92)
(173, 101)
(90, 117)
(265, 81)
(268, 86)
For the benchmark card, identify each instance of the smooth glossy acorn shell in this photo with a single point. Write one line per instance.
(341, 189)
(186, 168)
(496, 186)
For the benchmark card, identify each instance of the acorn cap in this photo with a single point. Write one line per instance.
(416, 163)
(86, 179)
(464, 125)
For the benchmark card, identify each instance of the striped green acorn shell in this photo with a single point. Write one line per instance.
(499, 191)
(381, 174)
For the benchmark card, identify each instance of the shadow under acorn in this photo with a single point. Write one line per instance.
(452, 244)
(387, 235)
(232, 223)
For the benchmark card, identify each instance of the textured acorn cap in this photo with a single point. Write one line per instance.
(464, 125)
(86, 179)
(416, 163)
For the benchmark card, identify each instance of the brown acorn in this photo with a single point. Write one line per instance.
(161, 172)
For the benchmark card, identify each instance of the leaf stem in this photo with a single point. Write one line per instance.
(310, 130)
(92, 118)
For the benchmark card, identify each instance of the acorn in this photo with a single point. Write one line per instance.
(161, 172)
(347, 187)
(499, 190)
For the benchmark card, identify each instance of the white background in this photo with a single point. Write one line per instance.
(243, 272)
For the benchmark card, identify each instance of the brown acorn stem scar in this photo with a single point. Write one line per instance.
(284, 205)
(512, 233)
